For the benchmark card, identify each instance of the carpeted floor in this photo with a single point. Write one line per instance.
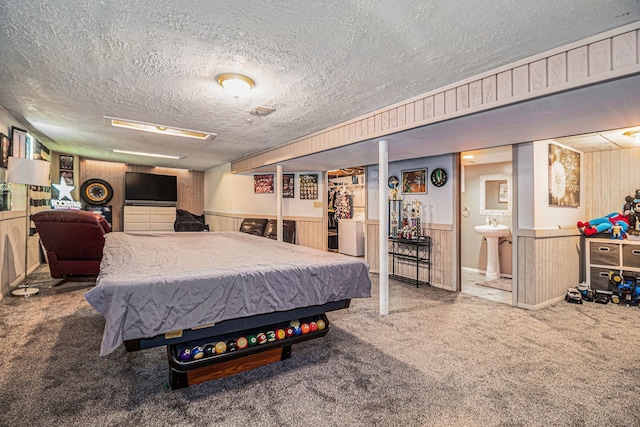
(438, 359)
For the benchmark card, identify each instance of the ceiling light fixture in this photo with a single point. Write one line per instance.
(634, 134)
(162, 130)
(140, 153)
(236, 84)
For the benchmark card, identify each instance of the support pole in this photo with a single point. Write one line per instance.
(278, 185)
(383, 174)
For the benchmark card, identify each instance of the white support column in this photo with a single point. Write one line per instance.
(278, 185)
(383, 175)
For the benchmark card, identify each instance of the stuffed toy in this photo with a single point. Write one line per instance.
(604, 224)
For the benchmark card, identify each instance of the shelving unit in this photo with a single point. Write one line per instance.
(606, 255)
(416, 251)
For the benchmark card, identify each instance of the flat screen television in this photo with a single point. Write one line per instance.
(148, 189)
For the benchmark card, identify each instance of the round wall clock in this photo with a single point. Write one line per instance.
(96, 192)
(439, 177)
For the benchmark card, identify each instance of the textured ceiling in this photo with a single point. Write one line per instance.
(65, 65)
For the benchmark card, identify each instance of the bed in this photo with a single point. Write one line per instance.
(187, 290)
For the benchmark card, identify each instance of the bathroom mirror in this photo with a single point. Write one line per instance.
(495, 194)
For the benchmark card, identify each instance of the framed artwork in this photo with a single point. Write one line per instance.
(564, 176)
(288, 185)
(309, 186)
(66, 163)
(68, 177)
(5, 150)
(263, 184)
(503, 192)
(414, 181)
(18, 142)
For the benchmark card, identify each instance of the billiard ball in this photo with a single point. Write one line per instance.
(197, 352)
(280, 334)
(304, 328)
(185, 355)
(209, 350)
(297, 331)
(231, 345)
(294, 323)
(313, 326)
(271, 336)
(242, 343)
(221, 347)
(288, 332)
(321, 325)
(262, 338)
(253, 340)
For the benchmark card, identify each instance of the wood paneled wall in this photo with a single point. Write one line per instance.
(546, 268)
(599, 58)
(190, 184)
(441, 255)
(309, 231)
(609, 177)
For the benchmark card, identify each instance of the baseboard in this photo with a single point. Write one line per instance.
(541, 305)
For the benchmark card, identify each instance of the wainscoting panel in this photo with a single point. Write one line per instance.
(441, 250)
(546, 268)
(309, 231)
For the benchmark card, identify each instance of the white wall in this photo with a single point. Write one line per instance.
(225, 192)
(436, 204)
(552, 217)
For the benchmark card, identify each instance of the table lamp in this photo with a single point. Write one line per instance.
(29, 172)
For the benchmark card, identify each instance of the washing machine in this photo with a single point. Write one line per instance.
(351, 236)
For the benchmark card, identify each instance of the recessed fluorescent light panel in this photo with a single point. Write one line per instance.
(140, 153)
(163, 130)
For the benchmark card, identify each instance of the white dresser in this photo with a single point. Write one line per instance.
(149, 218)
(605, 255)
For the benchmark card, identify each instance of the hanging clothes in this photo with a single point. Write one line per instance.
(343, 205)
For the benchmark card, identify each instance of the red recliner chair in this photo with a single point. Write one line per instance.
(73, 241)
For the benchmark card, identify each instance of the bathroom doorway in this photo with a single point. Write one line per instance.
(485, 223)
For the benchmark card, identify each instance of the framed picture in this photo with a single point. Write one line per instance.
(68, 177)
(66, 163)
(503, 192)
(5, 150)
(564, 176)
(288, 185)
(414, 181)
(309, 186)
(18, 142)
(263, 184)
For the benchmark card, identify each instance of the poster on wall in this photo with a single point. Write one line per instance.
(5, 150)
(564, 176)
(19, 142)
(288, 186)
(414, 181)
(66, 163)
(309, 186)
(263, 184)
(67, 176)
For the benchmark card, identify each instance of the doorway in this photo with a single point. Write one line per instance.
(485, 223)
(346, 210)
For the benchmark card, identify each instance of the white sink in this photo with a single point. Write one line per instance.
(492, 230)
(492, 233)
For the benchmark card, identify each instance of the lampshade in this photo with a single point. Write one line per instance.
(27, 171)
